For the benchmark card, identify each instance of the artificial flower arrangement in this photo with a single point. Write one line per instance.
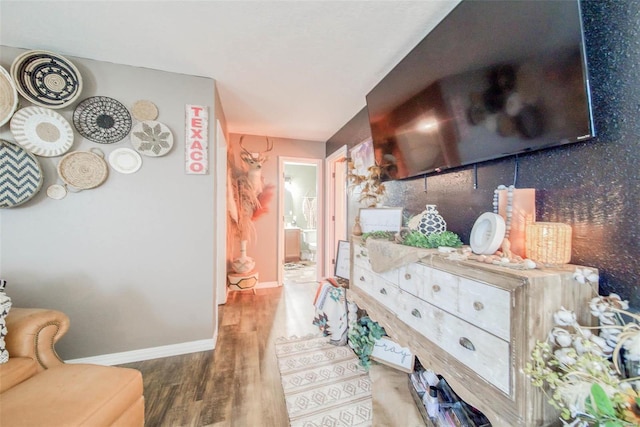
(372, 189)
(590, 374)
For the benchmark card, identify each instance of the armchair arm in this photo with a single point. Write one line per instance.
(33, 332)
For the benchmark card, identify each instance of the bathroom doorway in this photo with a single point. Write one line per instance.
(300, 252)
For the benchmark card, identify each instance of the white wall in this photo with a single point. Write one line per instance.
(130, 262)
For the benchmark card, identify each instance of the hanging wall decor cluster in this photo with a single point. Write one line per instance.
(51, 82)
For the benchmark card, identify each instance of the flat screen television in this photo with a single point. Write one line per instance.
(492, 79)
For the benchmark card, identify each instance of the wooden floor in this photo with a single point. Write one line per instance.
(238, 384)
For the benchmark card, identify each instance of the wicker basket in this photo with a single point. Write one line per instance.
(8, 96)
(83, 169)
(548, 242)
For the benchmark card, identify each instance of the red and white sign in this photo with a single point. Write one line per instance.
(197, 139)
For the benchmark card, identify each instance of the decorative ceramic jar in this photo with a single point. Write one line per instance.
(431, 221)
(244, 263)
(357, 228)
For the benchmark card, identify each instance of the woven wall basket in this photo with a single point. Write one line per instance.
(83, 169)
(102, 119)
(46, 79)
(8, 96)
(20, 175)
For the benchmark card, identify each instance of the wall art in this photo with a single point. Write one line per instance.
(197, 139)
(20, 175)
(8, 96)
(151, 138)
(42, 131)
(102, 119)
(46, 79)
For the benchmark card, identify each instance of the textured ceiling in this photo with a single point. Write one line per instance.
(291, 69)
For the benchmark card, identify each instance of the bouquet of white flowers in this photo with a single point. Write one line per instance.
(591, 374)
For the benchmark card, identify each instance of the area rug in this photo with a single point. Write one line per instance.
(324, 385)
(293, 266)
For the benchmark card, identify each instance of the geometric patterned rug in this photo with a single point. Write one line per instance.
(324, 384)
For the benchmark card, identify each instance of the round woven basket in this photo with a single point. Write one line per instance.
(144, 110)
(8, 96)
(83, 169)
(21, 175)
(46, 79)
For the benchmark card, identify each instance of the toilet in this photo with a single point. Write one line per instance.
(309, 237)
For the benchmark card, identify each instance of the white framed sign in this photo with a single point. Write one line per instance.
(343, 263)
(196, 139)
(380, 219)
(393, 354)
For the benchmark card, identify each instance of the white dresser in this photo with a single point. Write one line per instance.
(473, 323)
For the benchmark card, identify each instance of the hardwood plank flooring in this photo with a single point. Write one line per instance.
(237, 384)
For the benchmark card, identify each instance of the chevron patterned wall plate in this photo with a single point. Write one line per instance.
(42, 131)
(20, 175)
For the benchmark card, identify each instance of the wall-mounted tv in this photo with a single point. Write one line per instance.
(492, 79)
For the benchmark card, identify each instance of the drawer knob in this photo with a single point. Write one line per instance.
(478, 305)
(466, 343)
(383, 291)
(416, 313)
(362, 278)
(407, 276)
(436, 288)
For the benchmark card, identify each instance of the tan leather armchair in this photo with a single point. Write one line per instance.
(38, 389)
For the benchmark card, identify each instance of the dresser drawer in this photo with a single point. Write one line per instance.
(432, 285)
(485, 306)
(385, 292)
(484, 353)
(416, 313)
(362, 278)
(360, 256)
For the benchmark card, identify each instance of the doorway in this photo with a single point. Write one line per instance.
(336, 206)
(300, 247)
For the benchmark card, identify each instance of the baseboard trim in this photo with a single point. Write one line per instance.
(149, 353)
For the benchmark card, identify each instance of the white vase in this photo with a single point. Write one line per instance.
(431, 221)
(244, 263)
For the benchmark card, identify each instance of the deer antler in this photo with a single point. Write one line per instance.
(269, 145)
(244, 149)
(269, 148)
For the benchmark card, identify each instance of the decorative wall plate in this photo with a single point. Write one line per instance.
(83, 169)
(102, 119)
(144, 110)
(125, 160)
(56, 192)
(8, 96)
(152, 138)
(487, 234)
(20, 175)
(46, 78)
(42, 131)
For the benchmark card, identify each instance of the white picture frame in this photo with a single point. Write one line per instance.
(343, 263)
(380, 219)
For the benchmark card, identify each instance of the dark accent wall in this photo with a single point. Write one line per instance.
(594, 186)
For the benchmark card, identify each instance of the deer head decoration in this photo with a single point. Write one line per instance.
(253, 165)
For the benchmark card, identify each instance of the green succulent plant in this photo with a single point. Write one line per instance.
(381, 235)
(362, 337)
(433, 240)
